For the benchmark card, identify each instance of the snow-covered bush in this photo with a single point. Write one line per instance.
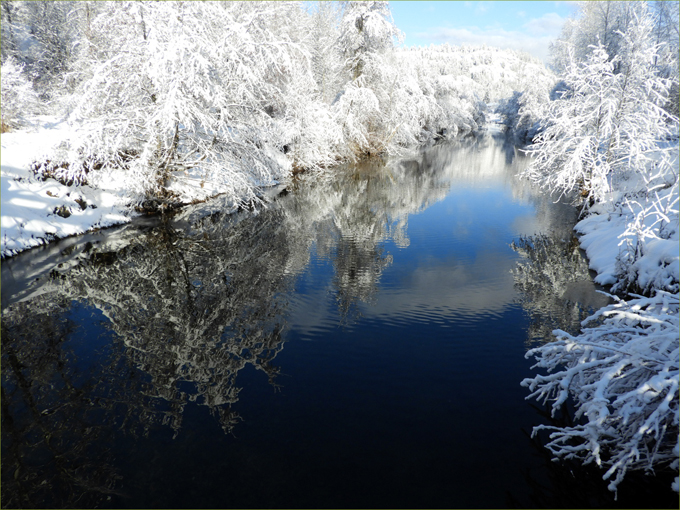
(19, 99)
(649, 256)
(609, 367)
(623, 375)
(607, 137)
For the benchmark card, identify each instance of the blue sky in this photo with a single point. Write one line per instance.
(527, 26)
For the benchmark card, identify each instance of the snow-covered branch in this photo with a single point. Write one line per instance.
(623, 376)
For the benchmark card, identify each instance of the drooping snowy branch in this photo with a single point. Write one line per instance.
(623, 376)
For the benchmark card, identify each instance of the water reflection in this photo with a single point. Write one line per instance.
(55, 451)
(187, 312)
(555, 285)
(139, 325)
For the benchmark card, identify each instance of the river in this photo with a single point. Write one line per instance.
(357, 342)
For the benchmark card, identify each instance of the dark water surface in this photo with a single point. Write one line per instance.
(358, 342)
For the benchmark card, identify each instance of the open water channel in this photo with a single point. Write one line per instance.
(358, 342)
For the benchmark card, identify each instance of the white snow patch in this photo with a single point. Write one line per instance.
(29, 205)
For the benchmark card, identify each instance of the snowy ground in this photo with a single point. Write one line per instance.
(651, 223)
(604, 236)
(30, 206)
(35, 212)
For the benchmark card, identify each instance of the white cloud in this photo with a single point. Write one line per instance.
(548, 24)
(534, 37)
(482, 7)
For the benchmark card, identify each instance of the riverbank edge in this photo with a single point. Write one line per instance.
(37, 212)
(632, 258)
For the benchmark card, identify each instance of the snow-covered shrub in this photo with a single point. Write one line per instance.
(623, 376)
(18, 96)
(649, 258)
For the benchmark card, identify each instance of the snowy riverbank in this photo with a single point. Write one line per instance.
(36, 212)
(642, 235)
(622, 369)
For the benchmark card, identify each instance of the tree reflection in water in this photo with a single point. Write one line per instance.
(188, 304)
(189, 311)
(554, 285)
(55, 451)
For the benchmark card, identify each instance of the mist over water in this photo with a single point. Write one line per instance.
(358, 342)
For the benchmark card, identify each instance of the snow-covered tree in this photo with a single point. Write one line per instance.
(667, 34)
(366, 30)
(605, 23)
(7, 29)
(211, 89)
(41, 35)
(607, 125)
(19, 98)
(367, 37)
(596, 23)
(327, 58)
(53, 32)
